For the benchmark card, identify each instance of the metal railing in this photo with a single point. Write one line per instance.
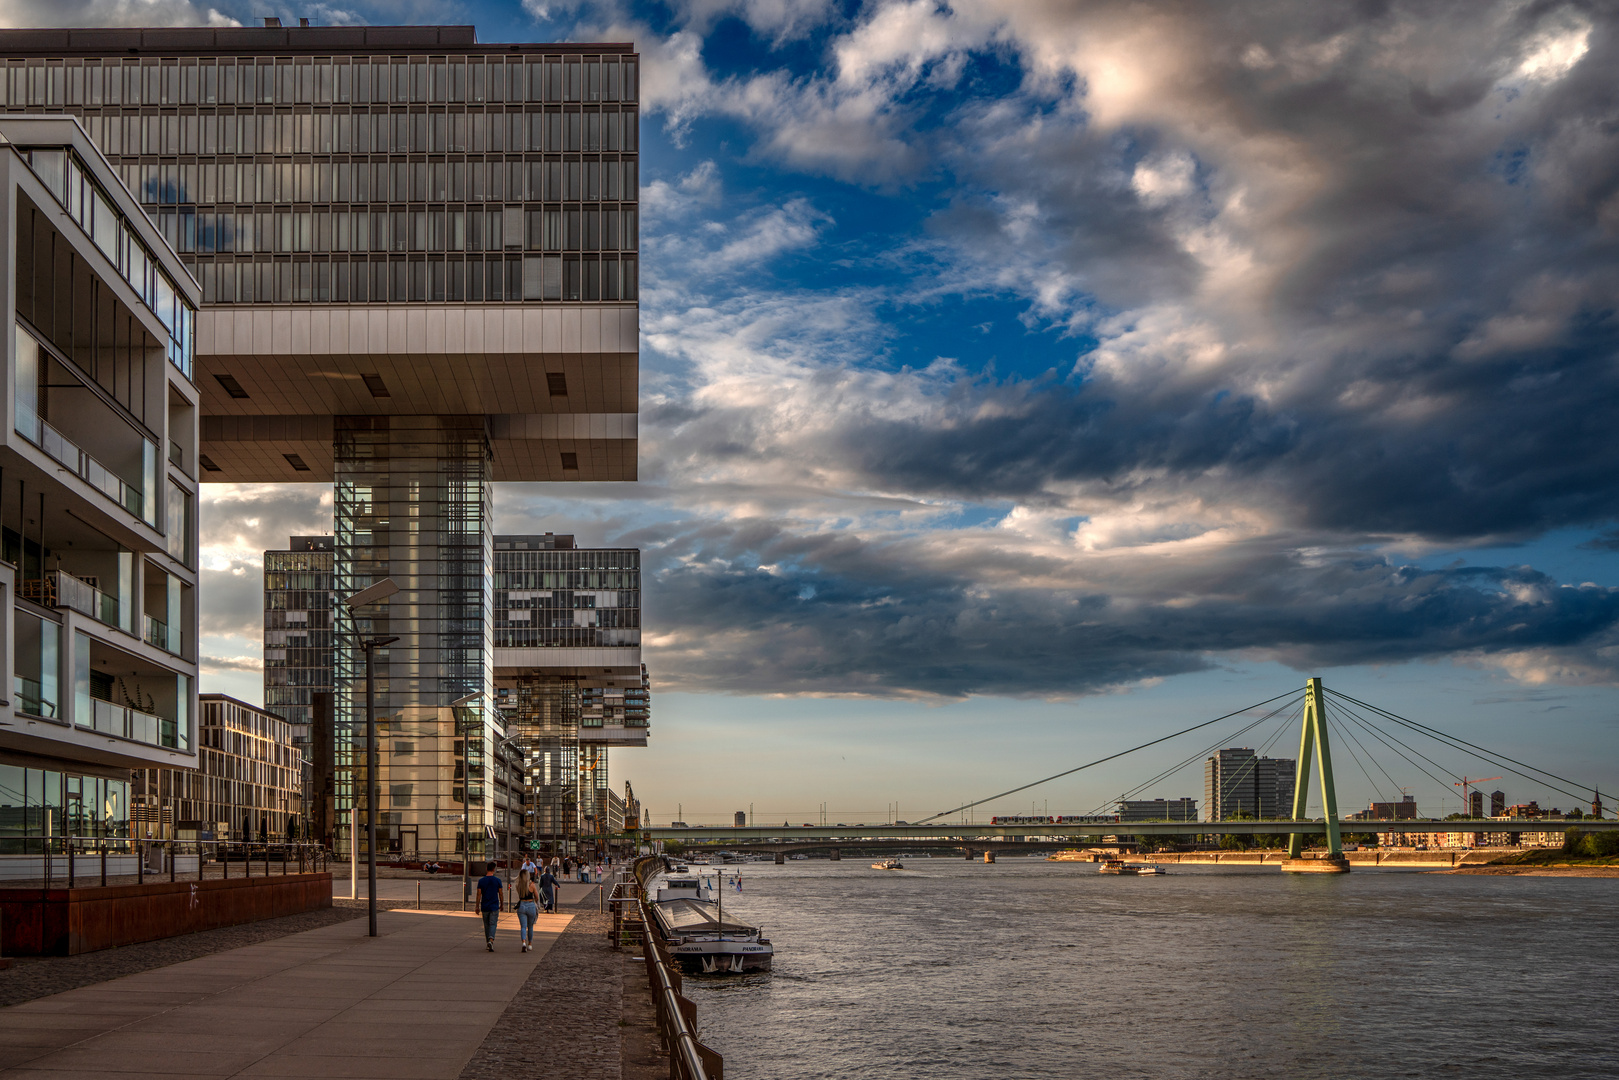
(677, 1016)
(78, 861)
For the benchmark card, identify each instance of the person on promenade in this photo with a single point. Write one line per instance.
(528, 909)
(548, 889)
(489, 887)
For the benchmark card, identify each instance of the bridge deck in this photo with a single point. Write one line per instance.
(856, 833)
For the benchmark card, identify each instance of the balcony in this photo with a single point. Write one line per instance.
(81, 464)
(62, 590)
(127, 723)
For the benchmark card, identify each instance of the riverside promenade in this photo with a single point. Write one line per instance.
(422, 999)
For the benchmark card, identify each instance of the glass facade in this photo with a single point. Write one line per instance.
(413, 503)
(579, 598)
(298, 628)
(482, 174)
(41, 803)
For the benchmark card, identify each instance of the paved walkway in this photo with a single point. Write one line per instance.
(414, 1002)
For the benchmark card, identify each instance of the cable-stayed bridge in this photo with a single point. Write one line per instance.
(1323, 717)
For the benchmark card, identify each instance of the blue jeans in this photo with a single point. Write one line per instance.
(527, 912)
(490, 920)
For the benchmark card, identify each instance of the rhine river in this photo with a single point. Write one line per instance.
(1028, 969)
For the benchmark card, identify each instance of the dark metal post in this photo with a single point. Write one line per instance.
(370, 788)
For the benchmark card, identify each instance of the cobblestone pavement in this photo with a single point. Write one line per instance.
(33, 977)
(566, 1015)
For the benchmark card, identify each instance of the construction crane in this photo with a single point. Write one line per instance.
(1466, 783)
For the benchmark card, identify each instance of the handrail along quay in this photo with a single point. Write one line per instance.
(689, 1059)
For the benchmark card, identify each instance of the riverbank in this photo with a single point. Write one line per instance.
(1391, 857)
(1549, 870)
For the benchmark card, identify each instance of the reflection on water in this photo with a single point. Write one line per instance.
(1034, 969)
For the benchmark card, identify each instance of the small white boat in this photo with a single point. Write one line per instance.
(888, 864)
(799, 857)
(1119, 866)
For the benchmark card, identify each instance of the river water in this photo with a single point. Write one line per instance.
(1028, 969)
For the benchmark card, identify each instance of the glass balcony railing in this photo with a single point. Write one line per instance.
(127, 723)
(62, 590)
(162, 635)
(81, 464)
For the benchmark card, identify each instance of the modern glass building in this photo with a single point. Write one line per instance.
(249, 783)
(568, 675)
(419, 268)
(98, 488)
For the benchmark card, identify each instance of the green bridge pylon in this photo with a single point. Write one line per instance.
(1314, 737)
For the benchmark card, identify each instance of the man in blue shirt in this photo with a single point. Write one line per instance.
(489, 887)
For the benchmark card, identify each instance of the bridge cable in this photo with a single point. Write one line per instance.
(1343, 729)
(1447, 745)
(1493, 757)
(1343, 726)
(1208, 750)
(1385, 739)
(1110, 757)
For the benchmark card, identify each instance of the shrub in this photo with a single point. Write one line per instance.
(1600, 845)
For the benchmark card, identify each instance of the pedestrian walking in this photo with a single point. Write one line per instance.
(528, 909)
(548, 889)
(489, 887)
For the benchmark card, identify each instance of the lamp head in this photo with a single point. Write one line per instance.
(380, 591)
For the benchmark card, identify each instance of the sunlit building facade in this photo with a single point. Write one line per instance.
(249, 783)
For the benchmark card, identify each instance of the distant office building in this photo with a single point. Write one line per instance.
(740, 819)
(298, 599)
(248, 784)
(299, 596)
(1475, 804)
(1156, 809)
(1239, 784)
(98, 523)
(568, 676)
(1498, 803)
(1404, 810)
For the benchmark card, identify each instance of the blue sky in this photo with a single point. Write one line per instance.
(1022, 379)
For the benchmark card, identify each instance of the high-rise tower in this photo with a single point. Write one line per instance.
(418, 258)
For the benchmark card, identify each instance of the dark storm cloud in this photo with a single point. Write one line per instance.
(839, 616)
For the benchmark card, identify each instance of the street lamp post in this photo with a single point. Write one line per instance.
(380, 591)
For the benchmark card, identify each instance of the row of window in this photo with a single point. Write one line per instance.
(586, 131)
(397, 280)
(400, 230)
(517, 180)
(575, 637)
(319, 80)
